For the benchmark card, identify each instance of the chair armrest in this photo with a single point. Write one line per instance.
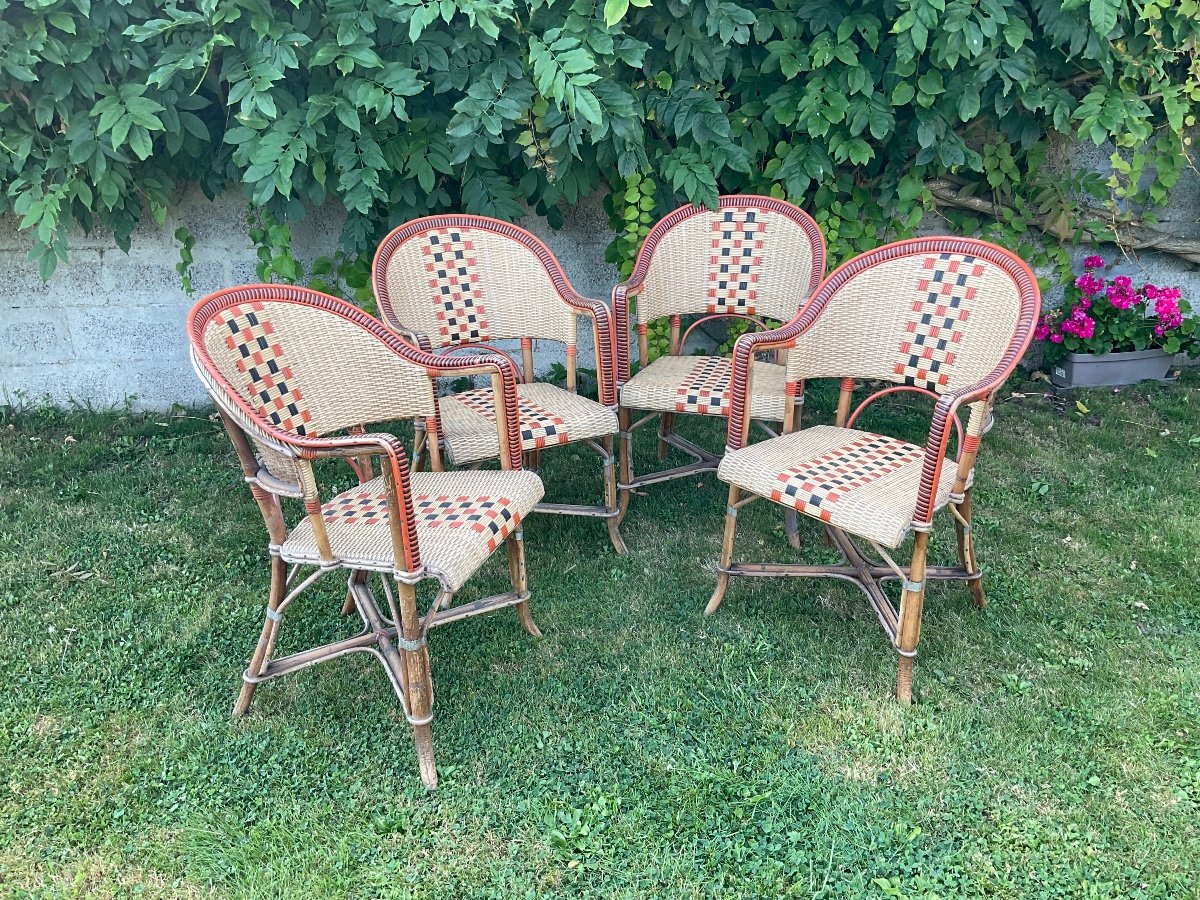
(602, 338)
(620, 315)
(504, 392)
(939, 436)
(744, 349)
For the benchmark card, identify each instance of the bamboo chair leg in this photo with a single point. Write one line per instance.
(358, 576)
(266, 641)
(666, 425)
(966, 551)
(419, 683)
(625, 453)
(515, 544)
(610, 498)
(726, 552)
(418, 451)
(791, 525)
(909, 631)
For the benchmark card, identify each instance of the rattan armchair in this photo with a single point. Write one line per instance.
(458, 283)
(946, 318)
(753, 258)
(298, 376)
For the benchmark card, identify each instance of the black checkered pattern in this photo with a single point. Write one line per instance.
(813, 487)
(948, 282)
(451, 267)
(490, 516)
(269, 381)
(735, 261)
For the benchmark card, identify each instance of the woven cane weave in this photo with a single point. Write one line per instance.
(862, 482)
(461, 518)
(548, 416)
(311, 373)
(748, 259)
(931, 320)
(700, 384)
(464, 284)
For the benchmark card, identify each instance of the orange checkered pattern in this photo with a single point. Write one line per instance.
(814, 486)
(540, 427)
(490, 516)
(735, 261)
(269, 380)
(450, 264)
(934, 331)
(357, 509)
(706, 388)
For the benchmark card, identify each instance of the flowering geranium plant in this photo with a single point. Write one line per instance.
(1105, 314)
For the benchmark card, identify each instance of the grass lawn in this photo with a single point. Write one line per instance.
(638, 749)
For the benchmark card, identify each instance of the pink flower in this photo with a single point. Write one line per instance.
(1093, 262)
(1041, 332)
(1089, 284)
(1056, 338)
(1120, 295)
(1123, 282)
(1150, 292)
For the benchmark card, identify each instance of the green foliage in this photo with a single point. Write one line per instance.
(403, 107)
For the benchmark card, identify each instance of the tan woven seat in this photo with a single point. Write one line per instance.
(461, 518)
(298, 376)
(549, 416)
(458, 283)
(752, 258)
(700, 385)
(943, 318)
(854, 480)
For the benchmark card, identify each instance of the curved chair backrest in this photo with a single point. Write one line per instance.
(938, 313)
(301, 361)
(460, 280)
(752, 256)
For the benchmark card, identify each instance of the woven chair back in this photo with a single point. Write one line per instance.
(752, 256)
(932, 313)
(301, 363)
(461, 280)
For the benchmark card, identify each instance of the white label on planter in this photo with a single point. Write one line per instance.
(1060, 371)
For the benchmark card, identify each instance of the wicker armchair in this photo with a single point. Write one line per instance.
(289, 368)
(752, 258)
(947, 318)
(455, 283)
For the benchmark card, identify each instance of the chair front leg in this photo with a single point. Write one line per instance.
(966, 550)
(266, 641)
(418, 681)
(611, 505)
(515, 545)
(625, 452)
(726, 551)
(909, 631)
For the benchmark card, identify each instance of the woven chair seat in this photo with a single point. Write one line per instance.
(549, 416)
(700, 384)
(461, 518)
(858, 481)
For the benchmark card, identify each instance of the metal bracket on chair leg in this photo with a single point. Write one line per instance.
(416, 722)
(914, 587)
(406, 644)
(274, 615)
(907, 654)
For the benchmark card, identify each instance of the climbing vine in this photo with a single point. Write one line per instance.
(868, 113)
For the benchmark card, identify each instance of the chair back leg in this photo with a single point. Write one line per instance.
(966, 550)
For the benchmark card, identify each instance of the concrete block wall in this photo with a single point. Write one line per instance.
(108, 328)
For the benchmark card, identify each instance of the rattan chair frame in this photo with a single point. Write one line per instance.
(903, 624)
(430, 440)
(394, 633)
(703, 460)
